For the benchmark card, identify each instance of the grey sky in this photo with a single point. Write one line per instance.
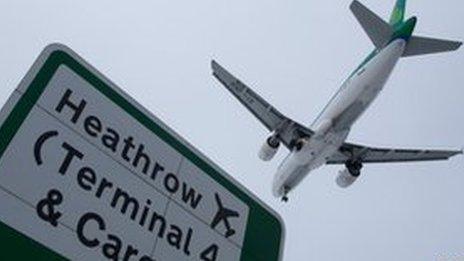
(295, 54)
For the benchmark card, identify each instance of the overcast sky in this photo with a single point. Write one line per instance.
(295, 54)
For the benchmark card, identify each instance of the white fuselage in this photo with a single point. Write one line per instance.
(333, 124)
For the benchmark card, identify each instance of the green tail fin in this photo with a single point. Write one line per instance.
(397, 16)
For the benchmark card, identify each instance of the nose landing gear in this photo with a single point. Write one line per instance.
(285, 197)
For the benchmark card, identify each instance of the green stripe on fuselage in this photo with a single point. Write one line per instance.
(366, 60)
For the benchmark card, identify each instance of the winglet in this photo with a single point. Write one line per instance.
(458, 152)
(214, 64)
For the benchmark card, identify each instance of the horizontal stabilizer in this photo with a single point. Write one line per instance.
(376, 28)
(421, 45)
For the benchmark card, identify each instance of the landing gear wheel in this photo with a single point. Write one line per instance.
(285, 197)
(299, 145)
(354, 167)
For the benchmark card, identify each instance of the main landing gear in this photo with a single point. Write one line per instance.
(285, 197)
(354, 167)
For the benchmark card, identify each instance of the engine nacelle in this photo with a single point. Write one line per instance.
(269, 148)
(346, 178)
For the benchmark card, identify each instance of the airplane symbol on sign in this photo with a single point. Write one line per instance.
(223, 214)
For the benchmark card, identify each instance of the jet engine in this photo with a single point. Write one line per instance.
(349, 174)
(269, 148)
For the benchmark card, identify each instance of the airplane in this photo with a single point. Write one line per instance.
(223, 214)
(324, 141)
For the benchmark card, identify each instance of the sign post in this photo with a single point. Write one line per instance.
(86, 173)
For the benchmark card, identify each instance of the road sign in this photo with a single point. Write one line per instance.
(87, 173)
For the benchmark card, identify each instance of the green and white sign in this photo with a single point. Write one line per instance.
(86, 173)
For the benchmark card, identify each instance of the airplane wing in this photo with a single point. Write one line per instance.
(383, 155)
(288, 130)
